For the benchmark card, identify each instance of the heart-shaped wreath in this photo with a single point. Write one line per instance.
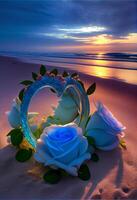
(65, 141)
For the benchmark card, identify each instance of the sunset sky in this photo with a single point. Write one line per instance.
(68, 25)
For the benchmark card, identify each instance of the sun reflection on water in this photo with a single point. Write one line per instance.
(100, 55)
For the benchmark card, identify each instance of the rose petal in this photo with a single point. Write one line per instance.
(66, 115)
(42, 152)
(58, 148)
(14, 118)
(67, 101)
(83, 146)
(71, 153)
(109, 147)
(42, 156)
(63, 146)
(97, 122)
(67, 108)
(109, 118)
(102, 138)
(77, 162)
(71, 170)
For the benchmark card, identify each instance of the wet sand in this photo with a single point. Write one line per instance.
(113, 177)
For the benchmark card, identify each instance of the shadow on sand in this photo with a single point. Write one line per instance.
(108, 161)
(68, 188)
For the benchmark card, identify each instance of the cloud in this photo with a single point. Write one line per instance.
(84, 29)
(52, 22)
(110, 39)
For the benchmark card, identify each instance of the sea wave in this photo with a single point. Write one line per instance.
(118, 66)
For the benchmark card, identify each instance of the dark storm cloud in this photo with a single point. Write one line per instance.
(22, 19)
(120, 16)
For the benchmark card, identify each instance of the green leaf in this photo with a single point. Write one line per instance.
(21, 94)
(123, 144)
(54, 71)
(91, 89)
(51, 117)
(64, 173)
(88, 120)
(91, 140)
(37, 133)
(16, 136)
(34, 76)
(15, 130)
(53, 90)
(94, 157)
(52, 176)
(23, 155)
(83, 172)
(65, 74)
(26, 82)
(43, 70)
(74, 75)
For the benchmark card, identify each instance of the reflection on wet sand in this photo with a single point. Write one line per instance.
(128, 76)
(123, 71)
(100, 72)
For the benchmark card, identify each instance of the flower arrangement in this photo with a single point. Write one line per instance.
(65, 141)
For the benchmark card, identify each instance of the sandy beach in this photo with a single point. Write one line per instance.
(113, 177)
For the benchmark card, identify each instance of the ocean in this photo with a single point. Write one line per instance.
(118, 66)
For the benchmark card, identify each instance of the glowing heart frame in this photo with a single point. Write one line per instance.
(60, 86)
(99, 130)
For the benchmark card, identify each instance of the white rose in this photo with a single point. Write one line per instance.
(63, 147)
(14, 115)
(66, 111)
(104, 128)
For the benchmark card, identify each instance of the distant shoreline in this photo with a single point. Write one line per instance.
(88, 58)
(121, 57)
(111, 67)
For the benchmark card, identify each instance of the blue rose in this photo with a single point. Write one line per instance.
(104, 128)
(62, 147)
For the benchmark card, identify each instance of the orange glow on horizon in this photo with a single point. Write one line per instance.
(100, 55)
(101, 43)
(109, 39)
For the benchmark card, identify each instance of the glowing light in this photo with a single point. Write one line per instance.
(101, 72)
(104, 39)
(131, 38)
(101, 39)
(100, 55)
(59, 35)
(88, 29)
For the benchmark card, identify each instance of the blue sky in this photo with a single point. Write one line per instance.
(68, 25)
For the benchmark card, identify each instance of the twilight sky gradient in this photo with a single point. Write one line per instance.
(68, 25)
